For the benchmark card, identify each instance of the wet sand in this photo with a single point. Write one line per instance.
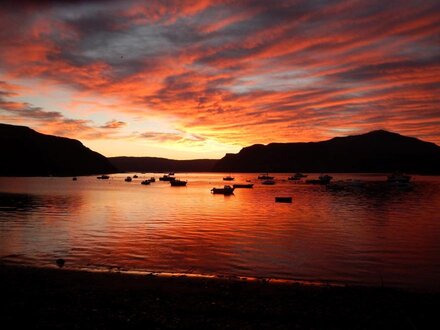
(60, 298)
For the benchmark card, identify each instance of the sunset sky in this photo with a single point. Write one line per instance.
(196, 79)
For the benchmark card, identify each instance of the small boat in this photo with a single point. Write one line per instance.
(268, 182)
(74, 178)
(103, 177)
(297, 177)
(152, 179)
(283, 199)
(128, 179)
(228, 178)
(323, 179)
(398, 178)
(171, 173)
(135, 176)
(226, 190)
(265, 176)
(167, 177)
(242, 185)
(178, 183)
(146, 182)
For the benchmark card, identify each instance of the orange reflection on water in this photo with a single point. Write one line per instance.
(365, 236)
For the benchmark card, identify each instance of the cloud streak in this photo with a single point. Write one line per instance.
(234, 72)
(112, 124)
(51, 122)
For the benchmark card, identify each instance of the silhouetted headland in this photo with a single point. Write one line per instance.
(25, 152)
(377, 151)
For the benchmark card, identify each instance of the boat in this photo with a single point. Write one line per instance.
(128, 179)
(243, 185)
(228, 178)
(152, 179)
(171, 173)
(265, 176)
(398, 178)
(135, 176)
(226, 190)
(283, 199)
(167, 177)
(323, 179)
(297, 177)
(103, 177)
(268, 182)
(178, 183)
(146, 182)
(74, 178)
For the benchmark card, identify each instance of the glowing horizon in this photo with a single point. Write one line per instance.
(199, 78)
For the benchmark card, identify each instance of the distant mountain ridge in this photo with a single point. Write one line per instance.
(25, 152)
(376, 151)
(154, 164)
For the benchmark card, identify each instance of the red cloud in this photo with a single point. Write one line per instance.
(242, 72)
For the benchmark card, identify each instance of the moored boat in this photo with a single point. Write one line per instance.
(103, 177)
(268, 182)
(178, 183)
(283, 199)
(226, 190)
(128, 179)
(297, 177)
(228, 178)
(323, 179)
(243, 185)
(146, 182)
(167, 177)
(152, 179)
(265, 176)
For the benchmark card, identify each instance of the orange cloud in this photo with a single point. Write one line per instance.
(232, 72)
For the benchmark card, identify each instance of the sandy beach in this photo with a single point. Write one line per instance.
(60, 298)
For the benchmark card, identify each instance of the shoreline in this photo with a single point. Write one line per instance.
(190, 275)
(55, 298)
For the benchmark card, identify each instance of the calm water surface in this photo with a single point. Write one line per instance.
(366, 236)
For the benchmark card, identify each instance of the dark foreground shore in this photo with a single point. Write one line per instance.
(59, 298)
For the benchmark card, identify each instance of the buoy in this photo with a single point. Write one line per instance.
(60, 262)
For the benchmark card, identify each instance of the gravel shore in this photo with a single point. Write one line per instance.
(60, 298)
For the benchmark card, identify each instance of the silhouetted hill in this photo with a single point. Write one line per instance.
(153, 164)
(377, 151)
(25, 152)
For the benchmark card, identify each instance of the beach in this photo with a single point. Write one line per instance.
(61, 298)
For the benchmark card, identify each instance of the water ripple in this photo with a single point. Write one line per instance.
(368, 236)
